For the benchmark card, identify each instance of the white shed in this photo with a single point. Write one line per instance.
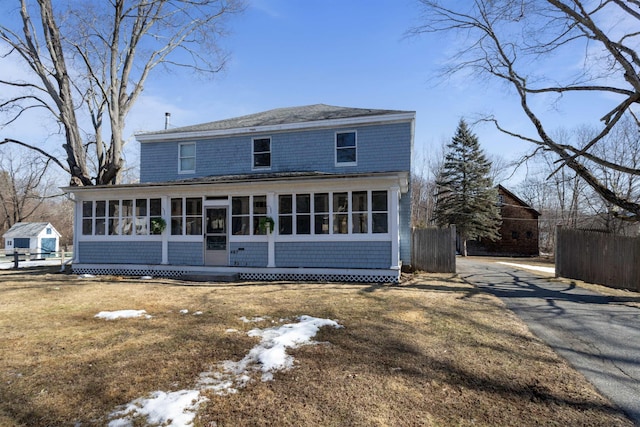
(37, 238)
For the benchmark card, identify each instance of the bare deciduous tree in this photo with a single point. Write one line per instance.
(24, 186)
(510, 40)
(89, 61)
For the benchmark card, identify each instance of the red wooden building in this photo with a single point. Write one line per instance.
(519, 229)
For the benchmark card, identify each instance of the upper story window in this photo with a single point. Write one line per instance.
(187, 157)
(261, 153)
(346, 148)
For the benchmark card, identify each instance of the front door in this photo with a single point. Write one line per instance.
(216, 237)
(48, 245)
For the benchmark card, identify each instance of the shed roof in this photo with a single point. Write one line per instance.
(28, 229)
(280, 116)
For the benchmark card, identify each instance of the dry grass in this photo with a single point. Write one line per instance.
(432, 351)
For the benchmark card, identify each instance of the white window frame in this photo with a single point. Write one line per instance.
(117, 236)
(253, 154)
(369, 235)
(181, 157)
(355, 148)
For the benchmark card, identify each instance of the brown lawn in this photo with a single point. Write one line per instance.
(432, 351)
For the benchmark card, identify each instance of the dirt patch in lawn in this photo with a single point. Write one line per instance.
(431, 351)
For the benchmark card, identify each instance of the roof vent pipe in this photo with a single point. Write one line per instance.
(167, 119)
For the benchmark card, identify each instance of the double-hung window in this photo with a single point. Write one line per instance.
(187, 157)
(346, 148)
(261, 153)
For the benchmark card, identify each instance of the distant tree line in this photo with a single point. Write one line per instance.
(28, 193)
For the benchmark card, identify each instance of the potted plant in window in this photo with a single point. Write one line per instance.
(265, 222)
(158, 224)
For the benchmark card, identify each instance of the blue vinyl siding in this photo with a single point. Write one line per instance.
(248, 254)
(186, 253)
(120, 252)
(380, 148)
(334, 254)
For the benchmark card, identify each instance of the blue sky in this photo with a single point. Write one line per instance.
(348, 53)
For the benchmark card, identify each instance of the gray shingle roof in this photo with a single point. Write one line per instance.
(26, 229)
(279, 116)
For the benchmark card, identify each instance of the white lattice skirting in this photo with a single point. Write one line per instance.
(352, 276)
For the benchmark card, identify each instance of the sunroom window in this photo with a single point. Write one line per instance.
(186, 216)
(126, 217)
(246, 213)
(346, 212)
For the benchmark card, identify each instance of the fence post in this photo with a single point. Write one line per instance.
(15, 259)
(558, 252)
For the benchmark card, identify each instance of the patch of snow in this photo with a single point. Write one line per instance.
(165, 409)
(550, 270)
(197, 313)
(146, 277)
(21, 264)
(122, 314)
(87, 276)
(184, 311)
(231, 330)
(179, 407)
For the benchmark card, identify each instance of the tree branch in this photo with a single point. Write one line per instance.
(39, 150)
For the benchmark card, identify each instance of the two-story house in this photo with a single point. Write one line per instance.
(304, 193)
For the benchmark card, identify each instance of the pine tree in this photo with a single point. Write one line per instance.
(465, 193)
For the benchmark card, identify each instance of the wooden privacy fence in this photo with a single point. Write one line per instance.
(434, 249)
(597, 257)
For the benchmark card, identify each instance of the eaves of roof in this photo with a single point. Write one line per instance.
(242, 178)
(281, 119)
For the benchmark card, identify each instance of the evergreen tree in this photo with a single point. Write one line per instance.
(465, 194)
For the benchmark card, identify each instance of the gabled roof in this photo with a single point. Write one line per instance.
(309, 114)
(518, 199)
(28, 229)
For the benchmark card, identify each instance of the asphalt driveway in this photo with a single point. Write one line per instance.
(598, 334)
